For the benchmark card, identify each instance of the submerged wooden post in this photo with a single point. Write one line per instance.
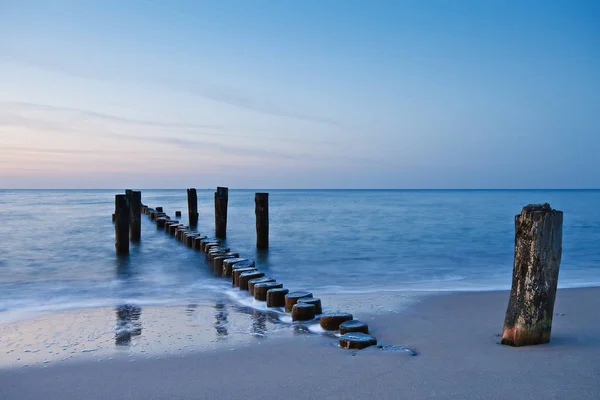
(261, 209)
(538, 250)
(135, 222)
(221, 199)
(121, 224)
(192, 198)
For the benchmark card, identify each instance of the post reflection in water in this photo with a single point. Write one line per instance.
(262, 258)
(190, 309)
(221, 323)
(259, 323)
(301, 330)
(128, 324)
(123, 264)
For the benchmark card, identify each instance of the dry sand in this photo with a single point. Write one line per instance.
(454, 334)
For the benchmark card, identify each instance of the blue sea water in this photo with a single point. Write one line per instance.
(58, 245)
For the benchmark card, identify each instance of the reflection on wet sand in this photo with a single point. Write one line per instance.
(301, 330)
(128, 324)
(259, 323)
(123, 264)
(221, 317)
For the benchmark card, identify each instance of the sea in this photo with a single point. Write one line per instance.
(58, 250)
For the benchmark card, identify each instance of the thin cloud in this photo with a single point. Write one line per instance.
(218, 94)
(112, 118)
(221, 95)
(219, 131)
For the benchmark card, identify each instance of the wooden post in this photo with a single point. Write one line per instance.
(135, 222)
(538, 251)
(221, 198)
(261, 210)
(121, 224)
(192, 198)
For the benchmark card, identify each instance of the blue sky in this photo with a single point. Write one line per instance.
(300, 94)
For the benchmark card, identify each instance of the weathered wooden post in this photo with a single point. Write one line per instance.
(261, 210)
(192, 198)
(221, 199)
(121, 224)
(538, 250)
(135, 222)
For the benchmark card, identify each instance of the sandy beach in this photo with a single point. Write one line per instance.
(454, 334)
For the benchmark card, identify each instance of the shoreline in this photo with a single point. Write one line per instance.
(455, 335)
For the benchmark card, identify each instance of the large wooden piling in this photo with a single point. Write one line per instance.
(192, 198)
(135, 222)
(538, 251)
(121, 224)
(261, 209)
(221, 199)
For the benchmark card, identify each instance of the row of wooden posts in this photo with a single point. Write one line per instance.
(128, 208)
(243, 272)
(537, 257)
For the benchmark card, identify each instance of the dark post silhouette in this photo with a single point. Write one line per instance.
(538, 251)
(121, 224)
(192, 198)
(261, 209)
(221, 199)
(135, 223)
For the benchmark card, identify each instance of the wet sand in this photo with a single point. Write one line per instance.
(454, 334)
(231, 321)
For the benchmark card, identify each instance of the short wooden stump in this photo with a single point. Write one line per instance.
(276, 297)
(353, 326)
(189, 239)
(357, 340)
(182, 230)
(228, 265)
(211, 241)
(214, 254)
(169, 223)
(218, 264)
(246, 276)
(235, 280)
(173, 229)
(243, 264)
(160, 222)
(208, 246)
(293, 297)
(253, 282)
(332, 321)
(261, 289)
(303, 312)
(314, 301)
(197, 240)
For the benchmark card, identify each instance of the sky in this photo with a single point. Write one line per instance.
(299, 94)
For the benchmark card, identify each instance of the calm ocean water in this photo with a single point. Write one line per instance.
(58, 245)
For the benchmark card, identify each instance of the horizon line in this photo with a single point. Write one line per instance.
(330, 189)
